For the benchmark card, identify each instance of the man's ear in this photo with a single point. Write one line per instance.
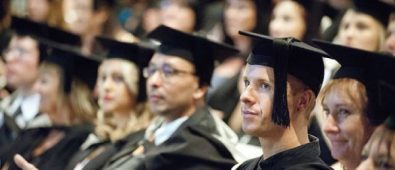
(305, 99)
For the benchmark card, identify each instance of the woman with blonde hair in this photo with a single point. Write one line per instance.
(351, 102)
(66, 105)
(123, 112)
(363, 26)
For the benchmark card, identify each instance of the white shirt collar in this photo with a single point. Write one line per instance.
(29, 107)
(167, 129)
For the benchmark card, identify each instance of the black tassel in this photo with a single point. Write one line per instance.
(280, 113)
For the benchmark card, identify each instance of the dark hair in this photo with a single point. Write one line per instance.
(5, 17)
(263, 11)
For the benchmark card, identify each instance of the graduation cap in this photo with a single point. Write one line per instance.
(375, 8)
(73, 64)
(375, 70)
(43, 32)
(390, 122)
(287, 56)
(129, 51)
(198, 50)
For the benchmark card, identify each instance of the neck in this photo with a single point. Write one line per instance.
(285, 140)
(350, 164)
(121, 119)
(184, 112)
(242, 43)
(60, 117)
(301, 132)
(26, 90)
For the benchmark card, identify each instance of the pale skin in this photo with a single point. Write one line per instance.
(115, 98)
(390, 41)
(256, 101)
(346, 126)
(379, 152)
(360, 31)
(22, 55)
(48, 86)
(178, 95)
(178, 17)
(287, 20)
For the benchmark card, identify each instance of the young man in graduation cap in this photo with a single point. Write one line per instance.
(186, 134)
(282, 79)
(22, 57)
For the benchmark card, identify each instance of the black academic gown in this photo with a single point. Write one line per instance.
(56, 157)
(110, 149)
(191, 146)
(304, 157)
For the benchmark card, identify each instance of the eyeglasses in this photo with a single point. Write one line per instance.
(166, 71)
(17, 51)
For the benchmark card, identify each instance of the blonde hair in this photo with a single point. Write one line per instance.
(354, 89)
(79, 102)
(140, 116)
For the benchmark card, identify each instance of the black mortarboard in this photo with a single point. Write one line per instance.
(132, 52)
(390, 121)
(375, 70)
(73, 64)
(43, 32)
(375, 8)
(287, 56)
(198, 50)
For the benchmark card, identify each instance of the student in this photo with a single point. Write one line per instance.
(363, 26)
(282, 79)
(379, 151)
(186, 136)
(351, 101)
(123, 112)
(23, 53)
(66, 100)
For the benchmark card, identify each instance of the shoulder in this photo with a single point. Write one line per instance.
(249, 164)
(310, 166)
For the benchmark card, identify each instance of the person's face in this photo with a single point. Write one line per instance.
(171, 85)
(346, 125)
(390, 41)
(287, 20)
(22, 59)
(38, 10)
(78, 15)
(114, 95)
(360, 31)
(178, 17)
(257, 100)
(379, 151)
(48, 86)
(239, 15)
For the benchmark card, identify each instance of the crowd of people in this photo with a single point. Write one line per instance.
(197, 84)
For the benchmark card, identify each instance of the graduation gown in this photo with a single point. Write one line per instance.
(109, 150)
(304, 157)
(55, 157)
(191, 146)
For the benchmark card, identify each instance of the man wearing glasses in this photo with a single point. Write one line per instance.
(22, 58)
(186, 134)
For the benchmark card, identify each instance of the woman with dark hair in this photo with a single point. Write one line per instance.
(295, 18)
(46, 11)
